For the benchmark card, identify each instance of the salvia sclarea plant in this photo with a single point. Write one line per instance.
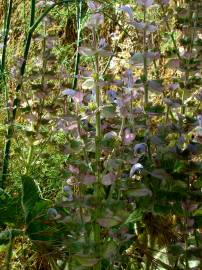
(132, 194)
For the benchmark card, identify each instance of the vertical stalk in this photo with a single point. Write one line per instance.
(145, 63)
(7, 21)
(78, 43)
(9, 253)
(29, 158)
(171, 33)
(6, 32)
(98, 136)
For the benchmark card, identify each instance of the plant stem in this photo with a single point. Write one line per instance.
(6, 32)
(78, 43)
(7, 20)
(9, 253)
(145, 63)
(31, 148)
(98, 137)
(172, 33)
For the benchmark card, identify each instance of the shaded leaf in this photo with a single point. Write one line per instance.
(85, 260)
(109, 222)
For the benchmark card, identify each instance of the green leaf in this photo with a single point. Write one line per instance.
(198, 212)
(110, 250)
(85, 260)
(8, 235)
(88, 84)
(137, 59)
(155, 85)
(108, 111)
(109, 222)
(140, 192)
(30, 194)
(134, 216)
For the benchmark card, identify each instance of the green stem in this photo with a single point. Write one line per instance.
(9, 253)
(172, 33)
(97, 229)
(77, 60)
(29, 158)
(7, 20)
(6, 32)
(145, 63)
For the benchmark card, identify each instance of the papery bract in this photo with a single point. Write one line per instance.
(88, 179)
(127, 10)
(150, 28)
(73, 169)
(155, 85)
(164, 2)
(67, 189)
(108, 179)
(52, 212)
(69, 92)
(128, 136)
(102, 43)
(138, 25)
(88, 84)
(94, 6)
(142, 192)
(69, 193)
(135, 168)
(145, 3)
(129, 79)
(140, 148)
(112, 95)
(199, 118)
(104, 53)
(95, 21)
(78, 97)
(110, 135)
(86, 51)
(173, 86)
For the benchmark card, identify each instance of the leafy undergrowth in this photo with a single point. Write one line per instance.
(101, 135)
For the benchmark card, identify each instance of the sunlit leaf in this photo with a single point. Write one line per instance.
(88, 84)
